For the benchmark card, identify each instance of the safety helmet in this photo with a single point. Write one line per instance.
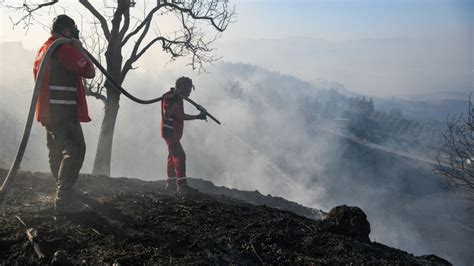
(184, 82)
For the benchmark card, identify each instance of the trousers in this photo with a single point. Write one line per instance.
(176, 162)
(67, 149)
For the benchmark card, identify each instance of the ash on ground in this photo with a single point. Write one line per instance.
(136, 221)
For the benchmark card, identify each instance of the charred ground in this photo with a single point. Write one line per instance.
(137, 222)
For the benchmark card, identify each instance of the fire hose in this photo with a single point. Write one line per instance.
(135, 99)
(26, 133)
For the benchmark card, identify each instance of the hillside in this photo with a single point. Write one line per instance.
(273, 140)
(136, 221)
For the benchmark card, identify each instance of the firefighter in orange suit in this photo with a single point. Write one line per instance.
(62, 107)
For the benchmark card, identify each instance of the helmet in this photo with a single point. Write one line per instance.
(184, 82)
(63, 21)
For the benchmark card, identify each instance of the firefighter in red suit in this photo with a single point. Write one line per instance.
(172, 122)
(61, 107)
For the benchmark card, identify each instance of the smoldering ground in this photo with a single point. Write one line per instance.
(264, 144)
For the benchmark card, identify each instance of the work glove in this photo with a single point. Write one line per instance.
(202, 116)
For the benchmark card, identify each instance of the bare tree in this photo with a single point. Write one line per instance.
(456, 156)
(115, 29)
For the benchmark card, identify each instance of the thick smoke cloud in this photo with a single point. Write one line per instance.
(400, 67)
(265, 144)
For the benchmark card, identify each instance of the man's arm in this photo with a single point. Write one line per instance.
(75, 60)
(90, 72)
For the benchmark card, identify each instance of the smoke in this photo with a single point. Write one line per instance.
(266, 143)
(378, 67)
(242, 153)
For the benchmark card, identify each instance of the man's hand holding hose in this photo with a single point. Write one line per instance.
(202, 109)
(203, 113)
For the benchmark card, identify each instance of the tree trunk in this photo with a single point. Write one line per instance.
(113, 57)
(103, 155)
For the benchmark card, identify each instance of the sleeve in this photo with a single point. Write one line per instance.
(72, 59)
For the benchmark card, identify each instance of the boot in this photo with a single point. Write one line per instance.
(170, 185)
(186, 189)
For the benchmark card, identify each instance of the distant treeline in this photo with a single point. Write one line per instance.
(325, 106)
(359, 117)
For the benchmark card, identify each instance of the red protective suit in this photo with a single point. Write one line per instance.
(73, 61)
(172, 131)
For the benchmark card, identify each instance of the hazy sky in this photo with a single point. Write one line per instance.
(332, 20)
(381, 48)
(443, 27)
(356, 19)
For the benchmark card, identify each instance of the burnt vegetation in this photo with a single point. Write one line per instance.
(137, 222)
(456, 156)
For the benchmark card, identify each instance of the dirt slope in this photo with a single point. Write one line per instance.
(137, 222)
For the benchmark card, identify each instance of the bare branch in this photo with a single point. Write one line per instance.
(95, 92)
(142, 24)
(95, 44)
(31, 10)
(99, 16)
(140, 39)
(456, 156)
(126, 23)
(134, 56)
(220, 19)
(190, 41)
(123, 7)
(28, 18)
